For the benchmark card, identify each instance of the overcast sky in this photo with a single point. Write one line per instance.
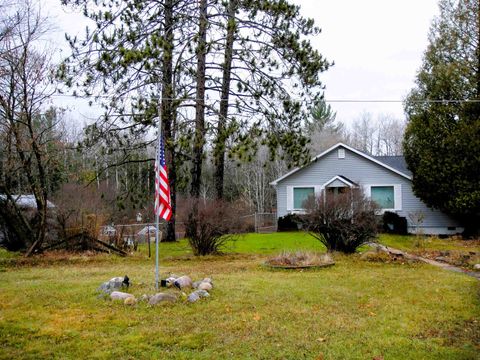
(377, 47)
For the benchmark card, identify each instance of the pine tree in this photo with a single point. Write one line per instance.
(443, 134)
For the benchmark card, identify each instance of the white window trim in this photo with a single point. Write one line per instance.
(317, 190)
(397, 195)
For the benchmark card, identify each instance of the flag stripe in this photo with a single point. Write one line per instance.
(163, 207)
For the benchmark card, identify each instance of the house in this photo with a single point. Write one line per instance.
(385, 179)
(27, 204)
(26, 201)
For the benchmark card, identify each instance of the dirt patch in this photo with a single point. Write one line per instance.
(460, 258)
(462, 332)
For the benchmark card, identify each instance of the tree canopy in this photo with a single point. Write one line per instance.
(443, 134)
(229, 77)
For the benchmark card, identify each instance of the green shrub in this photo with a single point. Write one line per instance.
(289, 222)
(392, 223)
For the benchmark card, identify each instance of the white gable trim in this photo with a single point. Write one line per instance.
(368, 157)
(339, 178)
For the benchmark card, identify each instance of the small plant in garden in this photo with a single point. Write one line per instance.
(342, 222)
(215, 224)
(300, 259)
(417, 218)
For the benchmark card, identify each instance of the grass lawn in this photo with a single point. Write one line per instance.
(353, 310)
(431, 243)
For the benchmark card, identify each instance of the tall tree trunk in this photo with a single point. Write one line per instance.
(199, 139)
(167, 115)
(477, 52)
(219, 151)
(39, 188)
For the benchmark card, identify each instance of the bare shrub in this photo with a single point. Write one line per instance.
(342, 222)
(215, 223)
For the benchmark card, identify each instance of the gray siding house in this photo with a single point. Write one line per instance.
(385, 179)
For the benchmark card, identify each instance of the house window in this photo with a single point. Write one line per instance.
(300, 195)
(384, 196)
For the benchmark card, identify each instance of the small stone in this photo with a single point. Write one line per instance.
(162, 297)
(193, 297)
(130, 301)
(118, 295)
(196, 283)
(208, 280)
(183, 282)
(205, 286)
(202, 293)
(145, 297)
(476, 267)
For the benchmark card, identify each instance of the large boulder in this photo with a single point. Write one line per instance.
(114, 284)
(162, 297)
(193, 297)
(118, 295)
(205, 286)
(183, 282)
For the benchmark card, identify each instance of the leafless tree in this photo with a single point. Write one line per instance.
(380, 136)
(25, 87)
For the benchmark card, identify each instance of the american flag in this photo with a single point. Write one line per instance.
(163, 207)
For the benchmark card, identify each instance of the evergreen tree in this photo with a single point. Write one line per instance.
(443, 134)
(198, 55)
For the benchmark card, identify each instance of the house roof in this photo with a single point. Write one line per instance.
(26, 201)
(397, 162)
(397, 166)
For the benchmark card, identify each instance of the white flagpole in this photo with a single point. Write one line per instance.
(156, 252)
(157, 218)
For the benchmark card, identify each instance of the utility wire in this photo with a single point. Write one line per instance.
(440, 101)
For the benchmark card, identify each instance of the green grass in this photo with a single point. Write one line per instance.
(353, 310)
(410, 243)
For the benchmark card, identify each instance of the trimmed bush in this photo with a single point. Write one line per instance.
(288, 222)
(342, 222)
(392, 223)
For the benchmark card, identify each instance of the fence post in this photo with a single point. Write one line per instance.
(256, 226)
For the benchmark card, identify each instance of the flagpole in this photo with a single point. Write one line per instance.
(156, 251)
(157, 215)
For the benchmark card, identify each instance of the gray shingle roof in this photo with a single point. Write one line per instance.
(396, 162)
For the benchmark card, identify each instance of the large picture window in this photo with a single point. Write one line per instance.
(384, 196)
(300, 195)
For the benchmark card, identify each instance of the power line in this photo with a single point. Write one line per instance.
(438, 101)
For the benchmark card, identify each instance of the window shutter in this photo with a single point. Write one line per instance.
(289, 198)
